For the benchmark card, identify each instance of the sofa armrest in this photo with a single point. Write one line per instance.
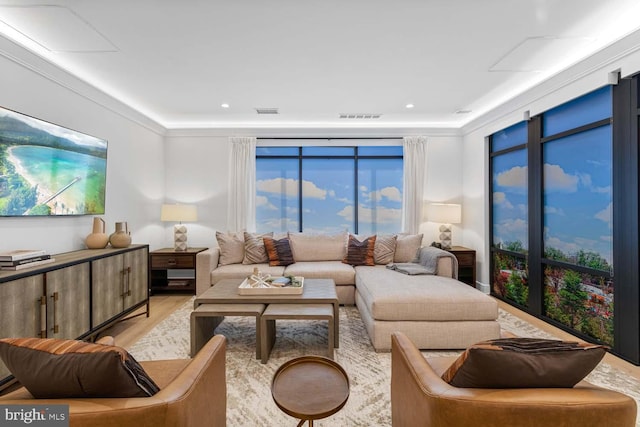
(447, 267)
(206, 262)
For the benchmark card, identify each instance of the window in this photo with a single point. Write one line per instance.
(551, 215)
(577, 215)
(329, 189)
(509, 213)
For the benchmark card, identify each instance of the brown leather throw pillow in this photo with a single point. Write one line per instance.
(524, 363)
(53, 368)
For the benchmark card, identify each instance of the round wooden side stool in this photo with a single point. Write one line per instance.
(310, 388)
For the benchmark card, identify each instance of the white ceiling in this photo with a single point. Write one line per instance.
(177, 61)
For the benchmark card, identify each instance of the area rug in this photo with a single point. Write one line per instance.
(249, 401)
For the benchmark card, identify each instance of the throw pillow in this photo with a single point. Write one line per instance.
(254, 250)
(524, 363)
(384, 249)
(231, 248)
(53, 369)
(279, 251)
(407, 246)
(360, 253)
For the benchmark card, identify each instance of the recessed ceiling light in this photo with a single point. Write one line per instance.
(224, 105)
(463, 111)
(409, 106)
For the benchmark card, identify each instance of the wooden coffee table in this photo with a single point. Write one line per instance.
(315, 291)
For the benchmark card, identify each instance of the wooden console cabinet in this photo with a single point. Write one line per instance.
(466, 264)
(76, 296)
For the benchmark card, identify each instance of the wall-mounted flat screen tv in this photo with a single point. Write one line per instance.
(46, 169)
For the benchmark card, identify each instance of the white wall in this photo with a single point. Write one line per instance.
(135, 176)
(582, 78)
(443, 183)
(197, 169)
(197, 164)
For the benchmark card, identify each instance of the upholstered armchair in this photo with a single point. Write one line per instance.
(419, 397)
(192, 393)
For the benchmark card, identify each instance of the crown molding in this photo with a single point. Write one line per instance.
(584, 76)
(50, 71)
(310, 132)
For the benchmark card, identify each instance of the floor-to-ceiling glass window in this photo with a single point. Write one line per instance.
(561, 205)
(577, 218)
(329, 189)
(509, 214)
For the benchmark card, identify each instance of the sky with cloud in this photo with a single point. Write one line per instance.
(328, 195)
(577, 194)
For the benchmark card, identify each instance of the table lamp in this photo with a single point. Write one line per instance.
(447, 214)
(179, 213)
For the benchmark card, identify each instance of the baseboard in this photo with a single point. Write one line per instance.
(484, 287)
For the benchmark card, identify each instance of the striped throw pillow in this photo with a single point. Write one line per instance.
(360, 253)
(53, 368)
(279, 251)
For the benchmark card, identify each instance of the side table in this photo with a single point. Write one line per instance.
(310, 388)
(173, 271)
(466, 264)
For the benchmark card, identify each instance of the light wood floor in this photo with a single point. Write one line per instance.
(129, 331)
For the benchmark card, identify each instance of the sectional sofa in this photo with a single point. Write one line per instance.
(435, 311)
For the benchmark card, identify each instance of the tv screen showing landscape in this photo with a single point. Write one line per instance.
(46, 169)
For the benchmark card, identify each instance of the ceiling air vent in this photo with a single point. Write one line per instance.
(267, 111)
(367, 116)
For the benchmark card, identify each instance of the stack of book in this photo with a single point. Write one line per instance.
(24, 258)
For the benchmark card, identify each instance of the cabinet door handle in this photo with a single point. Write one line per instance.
(123, 288)
(55, 328)
(43, 316)
(129, 281)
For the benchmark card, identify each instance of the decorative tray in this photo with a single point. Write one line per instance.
(246, 289)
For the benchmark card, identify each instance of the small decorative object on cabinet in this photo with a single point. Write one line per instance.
(173, 270)
(466, 264)
(121, 238)
(98, 239)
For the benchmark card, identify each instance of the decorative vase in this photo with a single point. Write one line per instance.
(98, 239)
(121, 238)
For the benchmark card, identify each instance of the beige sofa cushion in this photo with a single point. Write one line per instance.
(407, 247)
(318, 247)
(389, 295)
(242, 271)
(231, 247)
(342, 274)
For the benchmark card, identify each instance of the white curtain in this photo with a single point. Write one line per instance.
(415, 159)
(241, 212)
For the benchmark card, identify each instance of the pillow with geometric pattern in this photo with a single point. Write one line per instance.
(52, 368)
(524, 363)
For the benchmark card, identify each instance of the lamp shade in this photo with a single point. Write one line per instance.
(446, 213)
(187, 213)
